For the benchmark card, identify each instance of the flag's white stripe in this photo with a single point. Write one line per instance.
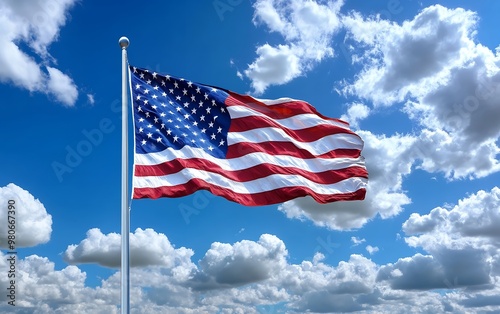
(249, 160)
(318, 147)
(297, 122)
(279, 101)
(265, 184)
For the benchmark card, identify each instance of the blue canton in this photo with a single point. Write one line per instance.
(173, 112)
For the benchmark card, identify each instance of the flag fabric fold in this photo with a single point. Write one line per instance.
(191, 136)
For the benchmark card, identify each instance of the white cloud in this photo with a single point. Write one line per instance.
(91, 99)
(464, 247)
(356, 241)
(472, 222)
(62, 87)
(226, 265)
(248, 276)
(33, 225)
(146, 248)
(372, 249)
(307, 28)
(36, 24)
(355, 113)
(412, 58)
(447, 82)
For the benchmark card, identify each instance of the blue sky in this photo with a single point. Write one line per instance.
(417, 80)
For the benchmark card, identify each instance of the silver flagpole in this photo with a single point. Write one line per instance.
(125, 269)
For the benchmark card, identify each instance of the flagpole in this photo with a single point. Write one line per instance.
(125, 211)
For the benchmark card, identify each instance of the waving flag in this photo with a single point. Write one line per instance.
(190, 136)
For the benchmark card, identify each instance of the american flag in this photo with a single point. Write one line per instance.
(190, 136)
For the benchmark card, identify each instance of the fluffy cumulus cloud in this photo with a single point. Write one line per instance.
(33, 225)
(464, 252)
(147, 247)
(307, 28)
(34, 24)
(448, 85)
(255, 276)
(244, 262)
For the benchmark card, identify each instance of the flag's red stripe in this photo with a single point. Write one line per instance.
(286, 149)
(256, 199)
(258, 171)
(279, 111)
(303, 135)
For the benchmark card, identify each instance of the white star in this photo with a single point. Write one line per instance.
(212, 136)
(198, 89)
(185, 92)
(219, 130)
(221, 143)
(208, 110)
(143, 142)
(150, 135)
(158, 140)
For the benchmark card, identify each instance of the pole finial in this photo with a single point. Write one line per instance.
(124, 42)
